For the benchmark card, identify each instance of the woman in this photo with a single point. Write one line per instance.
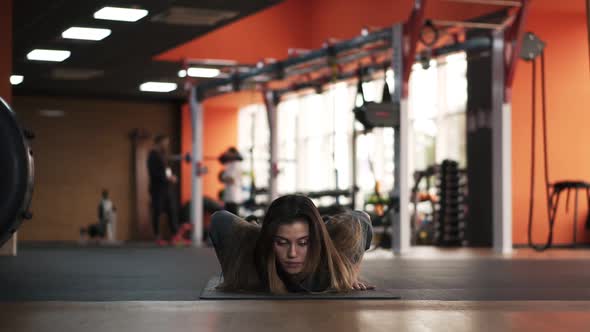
(231, 177)
(293, 250)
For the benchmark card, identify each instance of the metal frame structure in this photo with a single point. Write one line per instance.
(271, 102)
(330, 64)
(196, 111)
(508, 42)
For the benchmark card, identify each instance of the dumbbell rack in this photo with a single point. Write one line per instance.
(450, 210)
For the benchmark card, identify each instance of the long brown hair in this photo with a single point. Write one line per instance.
(348, 237)
(322, 260)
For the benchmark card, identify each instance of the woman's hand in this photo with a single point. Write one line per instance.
(358, 285)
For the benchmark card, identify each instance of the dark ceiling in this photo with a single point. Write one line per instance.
(117, 65)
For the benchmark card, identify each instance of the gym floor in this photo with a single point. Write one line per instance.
(140, 288)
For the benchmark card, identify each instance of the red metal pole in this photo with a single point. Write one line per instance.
(411, 32)
(513, 41)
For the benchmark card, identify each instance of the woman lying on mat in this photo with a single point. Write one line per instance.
(293, 251)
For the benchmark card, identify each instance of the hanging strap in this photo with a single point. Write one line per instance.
(359, 85)
(386, 94)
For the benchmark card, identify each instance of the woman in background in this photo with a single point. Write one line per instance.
(231, 177)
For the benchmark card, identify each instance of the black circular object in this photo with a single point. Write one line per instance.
(428, 34)
(16, 173)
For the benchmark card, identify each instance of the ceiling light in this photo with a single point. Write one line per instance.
(86, 33)
(48, 55)
(157, 87)
(52, 113)
(75, 73)
(16, 79)
(120, 14)
(190, 16)
(182, 73)
(203, 72)
(217, 62)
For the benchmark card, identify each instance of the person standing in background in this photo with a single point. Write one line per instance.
(107, 216)
(161, 187)
(232, 179)
(105, 228)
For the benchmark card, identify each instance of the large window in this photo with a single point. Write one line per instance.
(437, 103)
(253, 139)
(315, 132)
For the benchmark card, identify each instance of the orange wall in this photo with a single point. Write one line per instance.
(186, 132)
(220, 123)
(307, 24)
(220, 130)
(343, 19)
(268, 34)
(568, 99)
(5, 49)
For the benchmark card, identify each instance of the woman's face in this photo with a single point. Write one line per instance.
(290, 245)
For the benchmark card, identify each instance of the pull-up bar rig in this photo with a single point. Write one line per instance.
(396, 47)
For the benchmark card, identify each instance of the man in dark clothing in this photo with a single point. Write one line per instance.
(161, 188)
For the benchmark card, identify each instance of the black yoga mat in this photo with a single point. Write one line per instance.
(210, 293)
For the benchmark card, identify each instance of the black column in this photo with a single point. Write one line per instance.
(479, 229)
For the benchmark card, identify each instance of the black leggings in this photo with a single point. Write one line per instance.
(164, 201)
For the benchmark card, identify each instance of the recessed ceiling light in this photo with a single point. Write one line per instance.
(218, 62)
(182, 73)
(48, 55)
(203, 72)
(120, 14)
(16, 79)
(86, 33)
(52, 113)
(157, 87)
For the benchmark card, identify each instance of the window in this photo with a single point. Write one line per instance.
(437, 103)
(315, 132)
(253, 144)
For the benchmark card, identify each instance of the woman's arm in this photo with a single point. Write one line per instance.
(220, 231)
(234, 240)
